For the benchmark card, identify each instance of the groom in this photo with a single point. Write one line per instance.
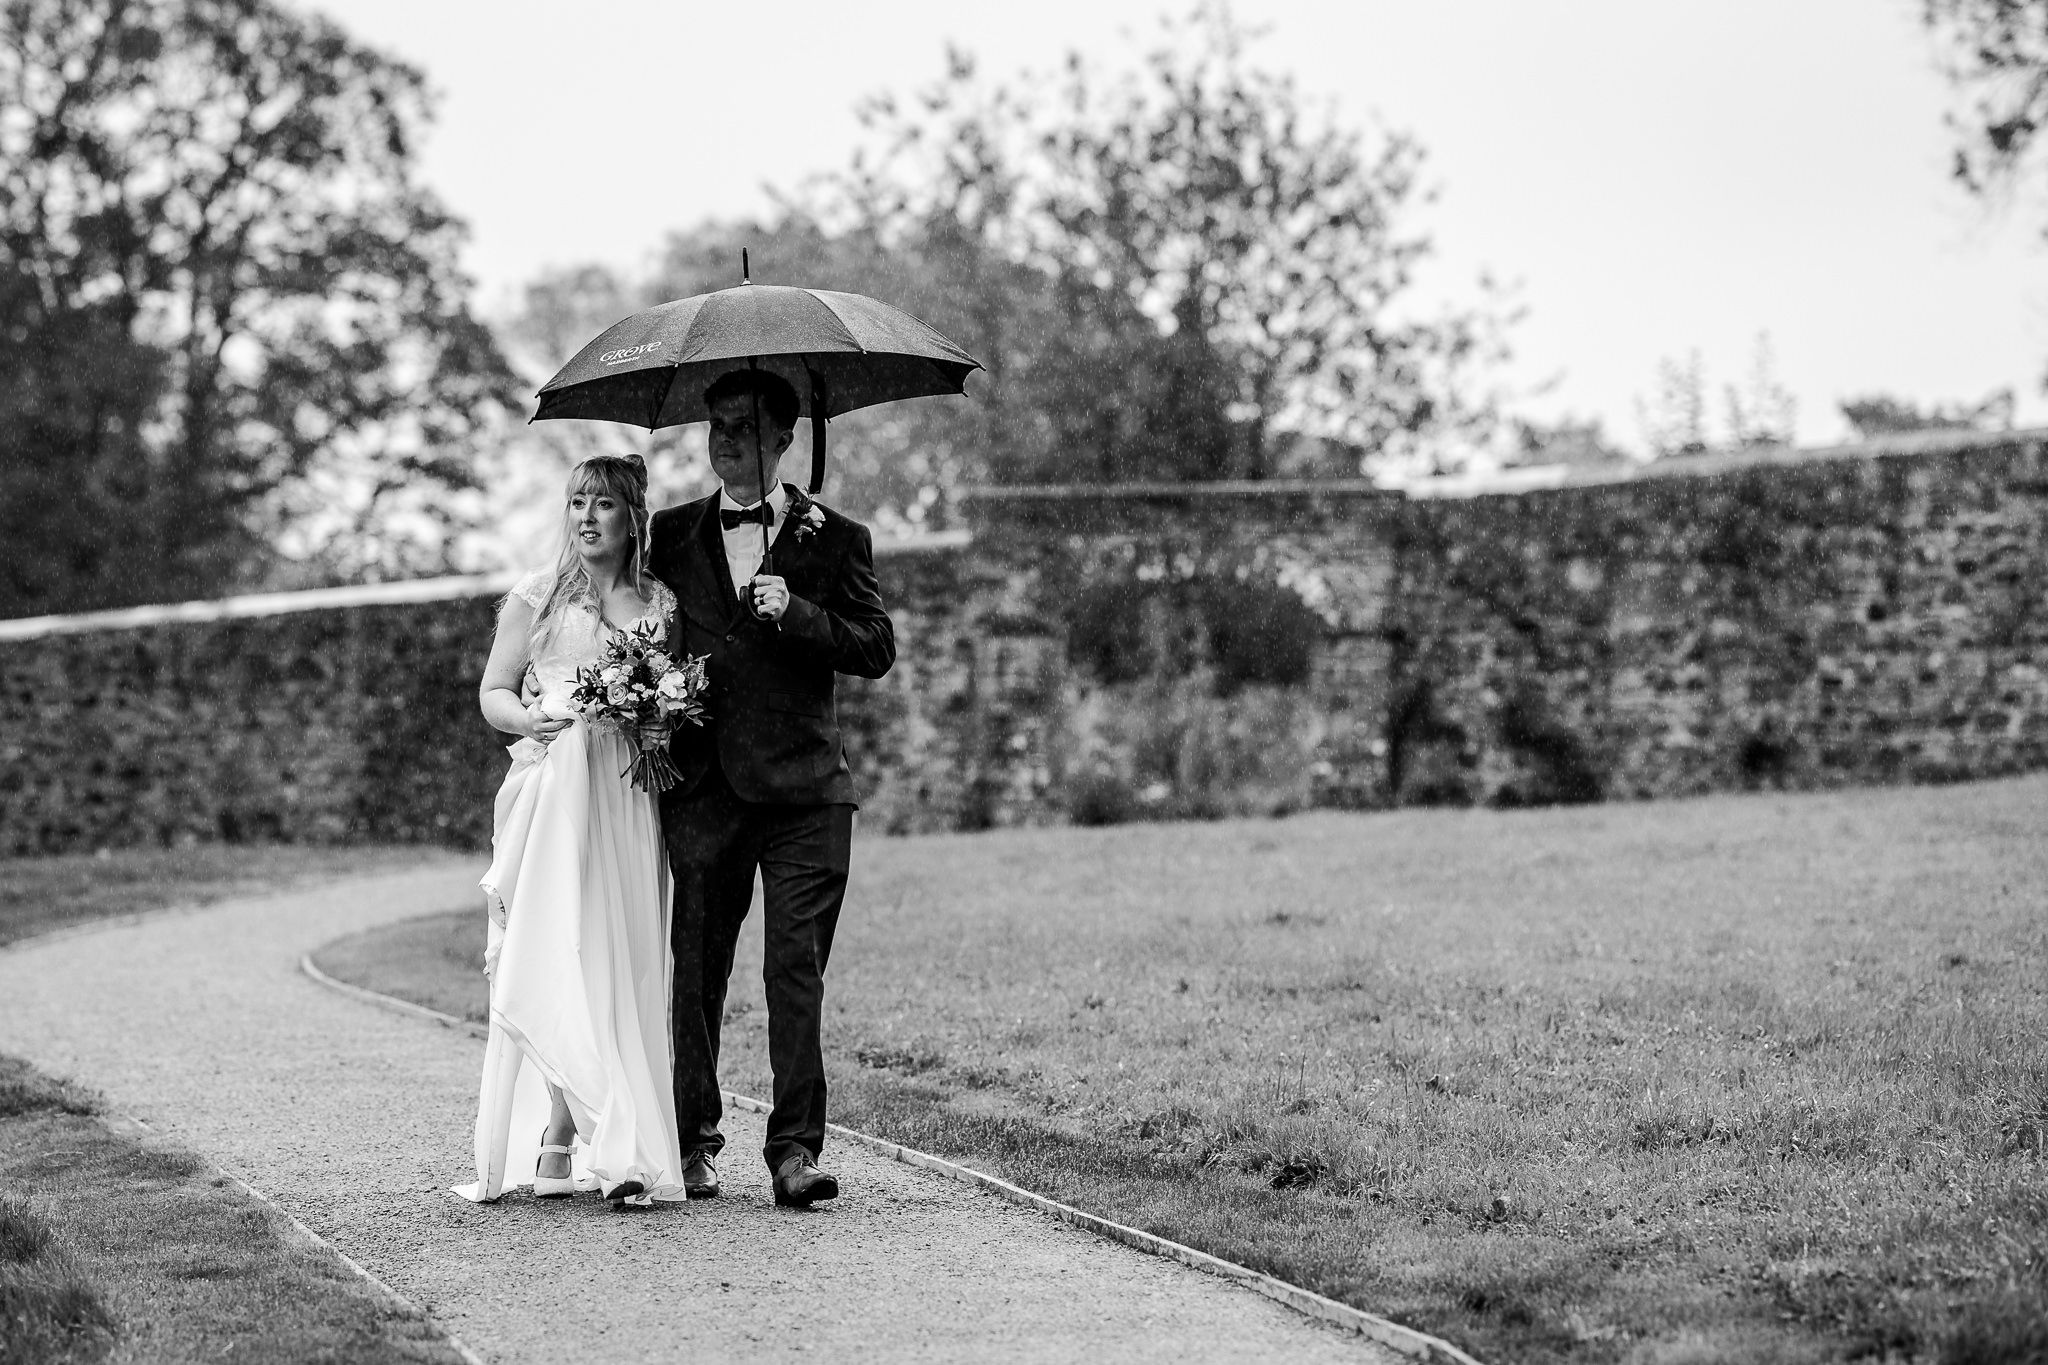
(764, 782)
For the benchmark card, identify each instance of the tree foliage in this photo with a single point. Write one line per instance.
(1172, 265)
(1579, 442)
(1674, 420)
(1997, 52)
(892, 464)
(1883, 414)
(231, 312)
(1760, 411)
(1174, 271)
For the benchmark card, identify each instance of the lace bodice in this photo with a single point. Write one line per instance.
(579, 633)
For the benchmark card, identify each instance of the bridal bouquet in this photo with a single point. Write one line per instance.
(635, 689)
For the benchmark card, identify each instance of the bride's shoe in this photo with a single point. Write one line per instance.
(552, 1187)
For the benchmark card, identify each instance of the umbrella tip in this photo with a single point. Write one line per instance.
(746, 275)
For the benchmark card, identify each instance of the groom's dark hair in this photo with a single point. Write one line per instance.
(777, 395)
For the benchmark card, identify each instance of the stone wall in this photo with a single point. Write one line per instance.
(1776, 618)
(342, 723)
(1788, 619)
(989, 720)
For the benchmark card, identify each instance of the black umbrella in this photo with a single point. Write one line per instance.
(840, 351)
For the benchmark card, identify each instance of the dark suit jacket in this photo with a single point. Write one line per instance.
(772, 724)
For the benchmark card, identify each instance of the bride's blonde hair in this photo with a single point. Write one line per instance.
(623, 478)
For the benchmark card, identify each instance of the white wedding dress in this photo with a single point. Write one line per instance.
(578, 948)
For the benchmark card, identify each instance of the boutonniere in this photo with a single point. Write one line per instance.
(805, 516)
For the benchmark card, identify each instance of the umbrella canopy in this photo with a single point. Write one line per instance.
(840, 351)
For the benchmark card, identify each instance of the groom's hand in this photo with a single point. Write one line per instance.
(770, 597)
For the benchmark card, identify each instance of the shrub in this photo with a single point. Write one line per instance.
(1558, 768)
(1258, 632)
(1100, 798)
(1427, 753)
(1764, 758)
(1107, 635)
(1179, 752)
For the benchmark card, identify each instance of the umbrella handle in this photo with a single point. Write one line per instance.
(760, 467)
(818, 404)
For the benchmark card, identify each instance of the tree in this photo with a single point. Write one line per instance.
(76, 392)
(1674, 422)
(1171, 265)
(1759, 413)
(1883, 414)
(1580, 443)
(220, 194)
(1997, 54)
(892, 465)
(1763, 411)
(1173, 273)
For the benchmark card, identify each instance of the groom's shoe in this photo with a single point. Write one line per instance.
(799, 1183)
(700, 1176)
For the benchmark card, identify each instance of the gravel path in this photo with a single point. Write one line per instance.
(356, 1121)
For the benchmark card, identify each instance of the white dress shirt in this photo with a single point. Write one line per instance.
(743, 542)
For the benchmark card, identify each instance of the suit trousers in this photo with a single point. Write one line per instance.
(716, 841)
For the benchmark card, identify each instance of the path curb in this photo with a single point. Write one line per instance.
(136, 1129)
(1409, 1342)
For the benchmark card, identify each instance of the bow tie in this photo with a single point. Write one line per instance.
(733, 517)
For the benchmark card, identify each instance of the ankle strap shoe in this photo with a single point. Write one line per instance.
(553, 1187)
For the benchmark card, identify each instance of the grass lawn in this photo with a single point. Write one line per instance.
(437, 961)
(40, 894)
(1742, 1079)
(110, 1251)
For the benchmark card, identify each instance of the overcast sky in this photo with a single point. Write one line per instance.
(1658, 177)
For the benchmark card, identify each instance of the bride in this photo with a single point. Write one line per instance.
(578, 890)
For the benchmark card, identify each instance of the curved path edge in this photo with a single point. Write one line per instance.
(135, 1130)
(1406, 1340)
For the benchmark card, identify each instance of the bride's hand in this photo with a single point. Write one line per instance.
(542, 726)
